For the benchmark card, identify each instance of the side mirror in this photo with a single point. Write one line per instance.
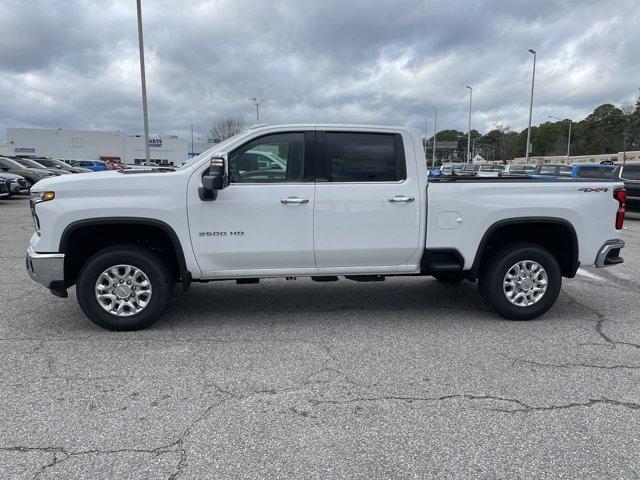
(216, 179)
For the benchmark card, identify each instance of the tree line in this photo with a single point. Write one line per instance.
(608, 129)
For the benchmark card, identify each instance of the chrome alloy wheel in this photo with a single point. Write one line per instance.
(525, 283)
(123, 290)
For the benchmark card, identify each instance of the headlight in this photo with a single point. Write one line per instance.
(34, 199)
(38, 197)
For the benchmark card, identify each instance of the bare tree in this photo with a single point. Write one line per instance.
(627, 108)
(223, 129)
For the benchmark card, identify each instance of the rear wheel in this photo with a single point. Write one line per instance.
(520, 281)
(124, 288)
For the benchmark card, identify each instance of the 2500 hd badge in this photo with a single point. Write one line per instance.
(220, 234)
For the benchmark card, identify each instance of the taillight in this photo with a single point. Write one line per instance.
(621, 196)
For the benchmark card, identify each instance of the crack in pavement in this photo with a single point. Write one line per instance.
(570, 365)
(524, 407)
(599, 325)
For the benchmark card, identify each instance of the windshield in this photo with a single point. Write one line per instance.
(30, 163)
(631, 172)
(216, 148)
(12, 163)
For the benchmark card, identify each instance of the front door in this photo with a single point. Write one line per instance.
(263, 221)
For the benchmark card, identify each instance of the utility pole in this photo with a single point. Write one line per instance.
(192, 151)
(435, 123)
(533, 80)
(426, 130)
(625, 136)
(144, 84)
(257, 102)
(469, 134)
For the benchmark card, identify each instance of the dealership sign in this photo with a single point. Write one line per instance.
(155, 142)
(25, 150)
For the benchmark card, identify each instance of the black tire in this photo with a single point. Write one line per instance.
(153, 267)
(493, 272)
(449, 277)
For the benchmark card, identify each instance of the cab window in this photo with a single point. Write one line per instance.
(272, 158)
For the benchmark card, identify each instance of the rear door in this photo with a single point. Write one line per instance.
(367, 208)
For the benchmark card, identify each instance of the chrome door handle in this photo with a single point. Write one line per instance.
(293, 200)
(401, 199)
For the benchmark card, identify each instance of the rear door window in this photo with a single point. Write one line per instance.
(364, 157)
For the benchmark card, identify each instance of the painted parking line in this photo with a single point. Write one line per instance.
(588, 274)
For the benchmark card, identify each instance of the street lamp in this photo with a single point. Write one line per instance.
(143, 80)
(533, 80)
(469, 134)
(568, 138)
(435, 123)
(257, 102)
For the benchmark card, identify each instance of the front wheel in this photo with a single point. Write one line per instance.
(124, 288)
(520, 281)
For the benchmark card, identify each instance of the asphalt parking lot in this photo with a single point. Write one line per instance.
(407, 378)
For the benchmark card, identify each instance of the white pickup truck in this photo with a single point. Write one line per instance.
(339, 200)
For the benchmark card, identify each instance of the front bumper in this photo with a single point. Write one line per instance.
(609, 253)
(46, 268)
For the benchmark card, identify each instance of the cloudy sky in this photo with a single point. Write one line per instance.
(74, 64)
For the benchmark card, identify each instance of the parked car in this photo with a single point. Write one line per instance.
(518, 169)
(93, 165)
(630, 174)
(553, 170)
(54, 163)
(482, 169)
(4, 188)
(16, 184)
(32, 175)
(353, 201)
(28, 163)
(592, 170)
(451, 168)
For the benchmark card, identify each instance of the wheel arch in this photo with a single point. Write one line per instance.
(136, 229)
(533, 230)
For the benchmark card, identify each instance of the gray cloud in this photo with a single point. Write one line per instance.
(75, 64)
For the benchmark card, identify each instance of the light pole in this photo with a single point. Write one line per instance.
(533, 80)
(435, 123)
(257, 102)
(143, 79)
(568, 137)
(426, 132)
(469, 134)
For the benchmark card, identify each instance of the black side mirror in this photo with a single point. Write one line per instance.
(216, 179)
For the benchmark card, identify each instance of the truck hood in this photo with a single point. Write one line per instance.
(107, 182)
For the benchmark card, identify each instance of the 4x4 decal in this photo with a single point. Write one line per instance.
(594, 189)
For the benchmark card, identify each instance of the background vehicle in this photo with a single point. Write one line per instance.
(53, 163)
(518, 169)
(93, 165)
(592, 170)
(451, 168)
(630, 174)
(16, 184)
(4, 188)
(550, 169)
(32, 175)
(28, 163)
(352, 201)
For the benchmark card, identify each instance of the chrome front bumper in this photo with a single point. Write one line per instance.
(46, 268)
(609, 253)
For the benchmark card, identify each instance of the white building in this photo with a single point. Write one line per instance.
(87, 145)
